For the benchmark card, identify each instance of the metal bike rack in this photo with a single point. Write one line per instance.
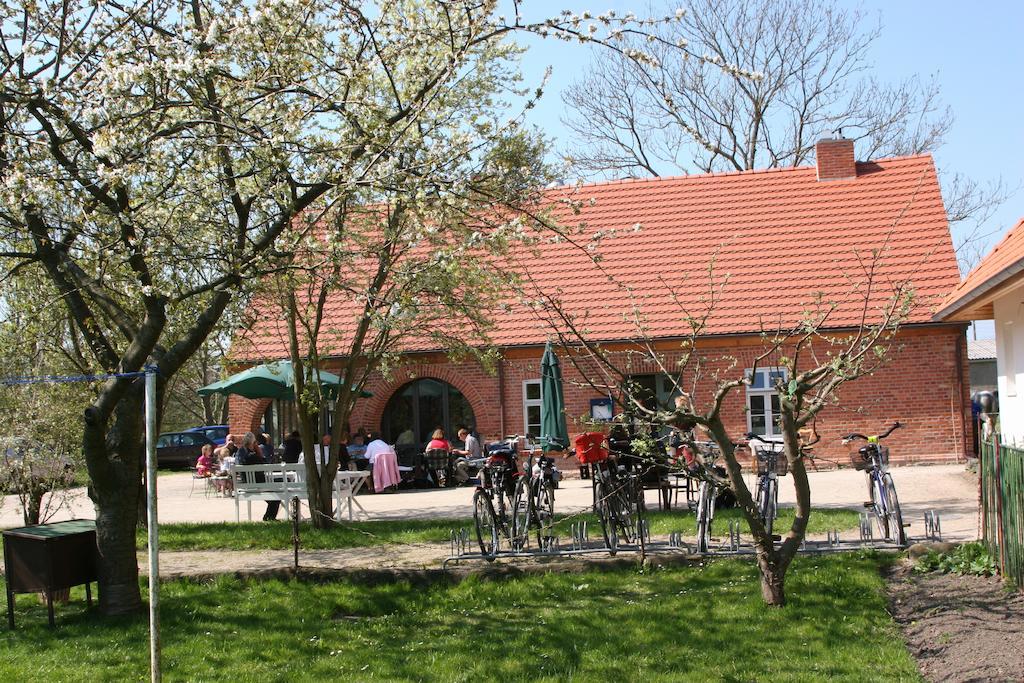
(463, 546)
(580, 535)
(734, 535)
(932, 525)
(866, 527)
(644, 531)
(460, 542)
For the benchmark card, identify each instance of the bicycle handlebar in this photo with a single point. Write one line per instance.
(850, 437)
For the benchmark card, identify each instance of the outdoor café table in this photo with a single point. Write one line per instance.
(347, 484)
(49, 558)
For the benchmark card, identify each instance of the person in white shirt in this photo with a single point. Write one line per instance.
(376, 447)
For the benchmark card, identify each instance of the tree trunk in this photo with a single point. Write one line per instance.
(772, 586)
(114, 458)
(32, 506)
(319, 491)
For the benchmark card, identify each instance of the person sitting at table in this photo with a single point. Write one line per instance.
(471, 445)
(292, 448)
(384, 464)
(225, 461)
(250, 454)
(265, 448)
(437, 441)
(205, 465)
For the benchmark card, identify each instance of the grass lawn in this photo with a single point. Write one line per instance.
(278, 535)
(702, 623)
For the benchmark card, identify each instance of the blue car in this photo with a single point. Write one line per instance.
(218, 434)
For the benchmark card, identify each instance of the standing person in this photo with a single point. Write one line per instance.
(292, 448)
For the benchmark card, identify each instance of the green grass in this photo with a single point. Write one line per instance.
(278, 535)
(704, 623)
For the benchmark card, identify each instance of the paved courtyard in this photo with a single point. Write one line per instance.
(948, 489)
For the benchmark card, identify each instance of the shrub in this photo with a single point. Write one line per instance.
(968, 558)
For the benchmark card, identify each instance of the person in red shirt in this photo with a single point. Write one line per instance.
(437, 440)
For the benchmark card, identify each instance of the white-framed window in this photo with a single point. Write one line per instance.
(531, 410)
(763, 414)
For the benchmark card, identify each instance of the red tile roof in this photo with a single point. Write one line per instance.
(777, 238)
(972, 298)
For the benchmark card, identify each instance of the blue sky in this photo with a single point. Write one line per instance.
(975, 50)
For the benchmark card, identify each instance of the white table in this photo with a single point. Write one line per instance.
(347, 484)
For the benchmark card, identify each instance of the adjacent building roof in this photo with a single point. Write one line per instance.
(1002, 269)
(981, 349)
(759, 248)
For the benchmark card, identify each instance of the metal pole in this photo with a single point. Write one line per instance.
(154, 565)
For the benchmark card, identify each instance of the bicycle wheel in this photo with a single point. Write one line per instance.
(640, 514)
(705, 516)
(522, 515)
(486, 524)
(769, 499)
(881, 506)
(899, 534)
(624, 506)
(544, 509)
(604, 508)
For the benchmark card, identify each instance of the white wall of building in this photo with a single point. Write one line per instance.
(1009, 329)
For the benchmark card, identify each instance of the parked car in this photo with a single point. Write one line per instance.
(218, 434)
(180, 449)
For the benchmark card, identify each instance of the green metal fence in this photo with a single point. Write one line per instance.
(1002, 506)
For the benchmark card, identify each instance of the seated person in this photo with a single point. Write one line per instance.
(438, 442)
(205, 463)
(293, 447)
(471, 445)
(376, 447)
(357, 446)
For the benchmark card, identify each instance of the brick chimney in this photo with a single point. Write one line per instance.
(835, 159)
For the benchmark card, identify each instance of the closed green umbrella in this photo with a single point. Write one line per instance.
(554, 435)
(270, 380)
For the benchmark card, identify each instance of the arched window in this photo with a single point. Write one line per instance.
(421, 406)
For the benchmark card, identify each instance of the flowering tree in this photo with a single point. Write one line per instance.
(153, 154)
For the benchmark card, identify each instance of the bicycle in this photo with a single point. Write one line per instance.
(492, 501)
(618, 495)
(885, 505)
(707, 493)
(769, 468)
(534, 500)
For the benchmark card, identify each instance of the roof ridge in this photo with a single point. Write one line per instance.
(721, 174)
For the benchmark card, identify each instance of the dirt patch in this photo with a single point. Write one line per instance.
(959, 628)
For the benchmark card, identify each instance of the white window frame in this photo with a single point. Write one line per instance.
(529, 403)
(768, 391)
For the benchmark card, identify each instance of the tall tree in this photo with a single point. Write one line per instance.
(813, 76)
(153, 152)
(414, 264)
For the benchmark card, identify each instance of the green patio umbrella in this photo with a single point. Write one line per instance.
(553, 433)
(270, 380)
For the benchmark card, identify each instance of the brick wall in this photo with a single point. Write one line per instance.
(923, 385)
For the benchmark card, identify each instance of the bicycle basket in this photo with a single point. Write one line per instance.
(590, 448)
(762, 458)
(860, 458)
